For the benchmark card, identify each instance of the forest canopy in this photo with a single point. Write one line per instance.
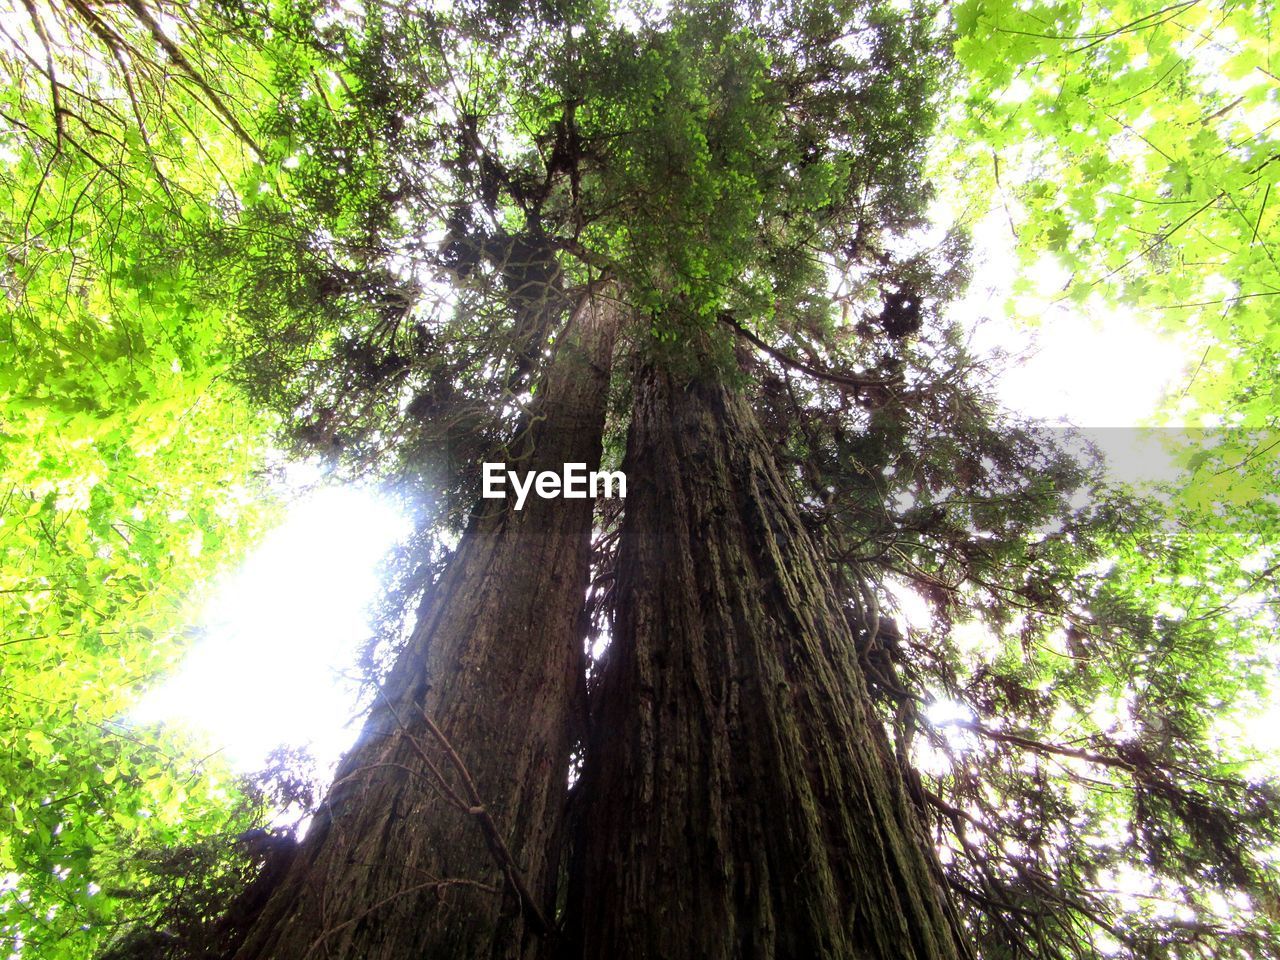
(725, 248)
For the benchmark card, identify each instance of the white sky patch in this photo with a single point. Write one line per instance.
(1100, 368)
(1111, 373)
(275, 663)
(913, 608)
(1095, 366)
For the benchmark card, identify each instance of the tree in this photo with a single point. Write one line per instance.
(705, 82)
(748, 179)
(443, 199)
(738, 784)
(422, 846)
(126, 465)
(1134, 146)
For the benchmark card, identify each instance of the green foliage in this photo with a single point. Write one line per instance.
(374, 223)
(126, 467)
(755, 179)
(1133, 146)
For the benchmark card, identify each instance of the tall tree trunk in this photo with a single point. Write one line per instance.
(739, 797)
(393, 869)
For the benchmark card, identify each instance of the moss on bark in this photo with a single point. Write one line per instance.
(739, 798)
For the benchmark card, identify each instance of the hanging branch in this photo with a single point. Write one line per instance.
(59, 124)
(473, 804)
(180, 59)
(840, 379)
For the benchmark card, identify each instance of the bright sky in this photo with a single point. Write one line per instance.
(280, 634)
(1099, 368)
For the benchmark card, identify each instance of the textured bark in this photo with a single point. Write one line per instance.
(739, 798)
(390, 870)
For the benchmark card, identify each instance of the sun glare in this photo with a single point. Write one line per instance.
(274, 664)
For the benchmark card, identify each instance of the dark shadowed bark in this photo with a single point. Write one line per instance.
(393, 867)
(739, 798)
